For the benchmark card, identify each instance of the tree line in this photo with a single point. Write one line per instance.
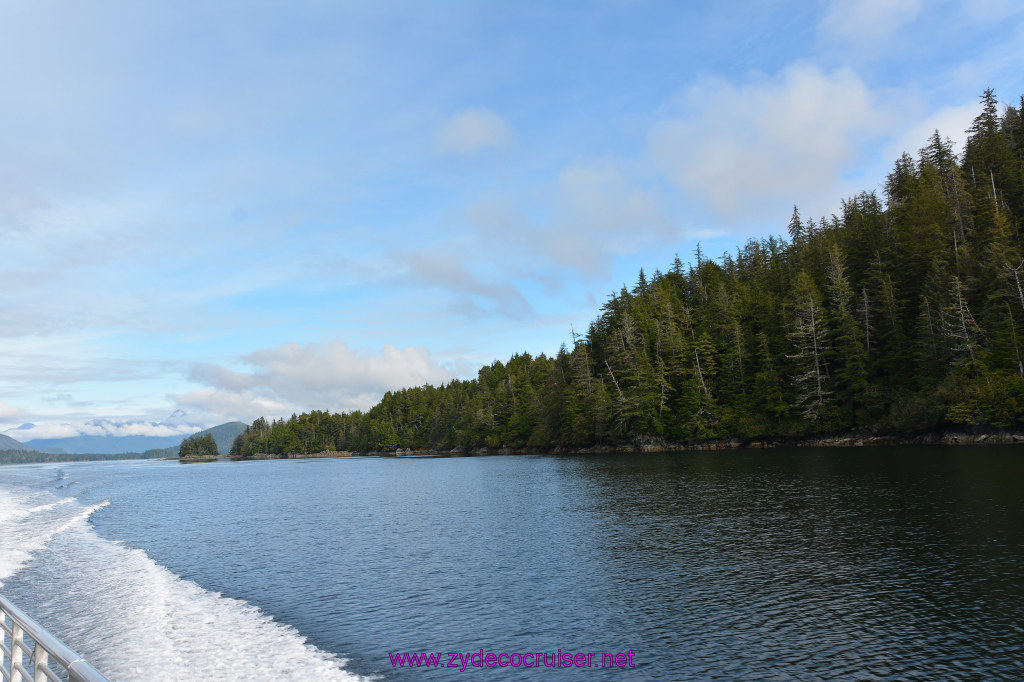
(904, 313)
(198, 446)
(35, 456)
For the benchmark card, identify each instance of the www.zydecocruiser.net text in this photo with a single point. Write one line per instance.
(530, 659)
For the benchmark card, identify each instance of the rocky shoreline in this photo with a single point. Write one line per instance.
(844, 440)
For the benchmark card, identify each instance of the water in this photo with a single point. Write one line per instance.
(869, 564)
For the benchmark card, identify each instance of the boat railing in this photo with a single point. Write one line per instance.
(27, 650)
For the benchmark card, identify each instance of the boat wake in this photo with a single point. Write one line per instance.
(132, 618)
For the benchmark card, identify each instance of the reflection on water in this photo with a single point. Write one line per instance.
(823, 564)
(873, 563)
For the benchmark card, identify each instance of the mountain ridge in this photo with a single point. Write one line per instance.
(13, 451)
(8, 443)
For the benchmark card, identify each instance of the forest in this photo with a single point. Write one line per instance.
(903, 314)
(198, 445)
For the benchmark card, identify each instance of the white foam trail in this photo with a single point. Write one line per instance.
(25, 529)
(132, 618)
(17, 513)
(51, 505)
(77, 518)
(135, 620)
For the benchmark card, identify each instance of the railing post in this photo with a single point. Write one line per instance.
(40, 660)
(17, 655)
(45, 647)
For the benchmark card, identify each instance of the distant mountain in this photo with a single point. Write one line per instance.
(105, 436)
(223, 436)
(106, 444)
(8, 443)
(145, 446)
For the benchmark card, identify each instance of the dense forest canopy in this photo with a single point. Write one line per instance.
(198, 446)
(903, 313)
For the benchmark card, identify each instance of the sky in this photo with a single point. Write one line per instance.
(213, 211)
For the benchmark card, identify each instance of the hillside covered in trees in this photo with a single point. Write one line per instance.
(198, 446)
(902, 314)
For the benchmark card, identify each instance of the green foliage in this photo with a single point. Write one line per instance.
(907, 315)
(31, 456)
(198, 446)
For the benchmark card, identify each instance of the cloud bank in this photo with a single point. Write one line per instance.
(101, 427)
(293, 377)
(10, 413)
(735, 148)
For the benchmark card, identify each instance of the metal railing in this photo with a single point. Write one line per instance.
(22, 637)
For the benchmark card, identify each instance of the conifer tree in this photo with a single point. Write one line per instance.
(810, 344)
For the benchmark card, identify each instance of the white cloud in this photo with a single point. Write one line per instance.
(599, 214)
(582, 219)
(10, 413)
(740, 149)
(293, 378)
(27, 432)
(472, 131)
(440, 267)
(868, 21)
(601, 198)
(101, 427)
(229, 405)
(951, 122)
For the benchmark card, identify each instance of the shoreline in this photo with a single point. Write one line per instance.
(846, 440)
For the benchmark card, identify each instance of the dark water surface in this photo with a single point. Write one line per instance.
(866, 564)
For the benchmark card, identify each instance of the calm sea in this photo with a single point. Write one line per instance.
(854, 564)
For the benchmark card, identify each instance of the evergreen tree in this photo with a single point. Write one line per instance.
(809, 337)
(198, 446)
(907, 314)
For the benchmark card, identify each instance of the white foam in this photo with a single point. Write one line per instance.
(135, 620)
(26, 528)
(18, 513)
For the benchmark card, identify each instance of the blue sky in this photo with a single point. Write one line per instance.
(232, 209)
